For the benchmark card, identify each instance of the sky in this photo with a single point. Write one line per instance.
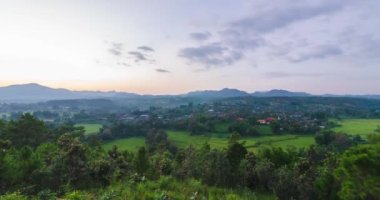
(176, 46)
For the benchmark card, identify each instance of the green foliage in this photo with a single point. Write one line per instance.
(264, 170)
(337, 141)
(200, 126)
(170, 188)
(26, 131)
(278, 156)
(46, 195)
(141, 162)
(77, 195)
(359, 172)
(236, 151)
(373, 138)
(285, 185)
(13, 196)
(325, 138)
(377, 130)
(243, 128)
(158, 141)
(65, 165)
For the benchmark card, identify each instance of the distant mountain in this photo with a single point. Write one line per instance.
(280, 93)
(368, 96)
(32, 92)
(213, 94)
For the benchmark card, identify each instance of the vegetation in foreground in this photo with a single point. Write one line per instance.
(39, 162)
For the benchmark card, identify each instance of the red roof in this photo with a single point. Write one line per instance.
(269, 119)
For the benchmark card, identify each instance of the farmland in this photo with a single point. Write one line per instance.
(129, 144)
(90, 128)
(183, 139)
(357, 126)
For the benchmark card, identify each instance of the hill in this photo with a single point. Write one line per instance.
(32, 92)
(212, 94)
(280, 93)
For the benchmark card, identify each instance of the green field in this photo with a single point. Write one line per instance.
(265, 129)
(183, 139)
(129, 144)
(357, 126)
(90, 128)
(222, 127)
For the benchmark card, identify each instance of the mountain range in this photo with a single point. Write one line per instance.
(32, 92)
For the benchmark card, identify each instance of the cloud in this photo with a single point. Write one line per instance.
(123, 64)
(284, 13)
(116, 48)
(213, 54)
(248, 34)
(241, 40)
(318, 52)
(286, 75)
(200, 36)
(162, 70)
(114, 52)
(117, 45)
(145, 48)
(138, 56)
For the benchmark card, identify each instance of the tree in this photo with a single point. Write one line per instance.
(158, 141)
(325, 138)
(377, 130)
(373, 138)
(163, 163)
(72, 161)
(236, 151)
(141, 162)
(285, 185)
(265, 174)
(27, 130)
(358, 172)
(243, 128)
(216, 169)
(247, 172)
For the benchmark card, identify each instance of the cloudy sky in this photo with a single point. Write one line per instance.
(174, 46)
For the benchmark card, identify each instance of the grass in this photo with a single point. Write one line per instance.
(222, 127)
(265, 129)
(357, 126)
(183, 139)
(90, 128)
(176, 189)
(129, 144)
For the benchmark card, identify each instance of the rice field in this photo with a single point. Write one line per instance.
(357, 126)
(183, 139)
(90, 128)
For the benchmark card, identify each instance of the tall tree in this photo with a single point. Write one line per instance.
(26, 131)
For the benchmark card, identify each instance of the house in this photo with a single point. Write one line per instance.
(266, 121)
(269, 120)
(261, 121)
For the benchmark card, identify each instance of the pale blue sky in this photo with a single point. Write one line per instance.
(174, 46)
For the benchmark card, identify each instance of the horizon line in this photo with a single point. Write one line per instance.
(186, 92)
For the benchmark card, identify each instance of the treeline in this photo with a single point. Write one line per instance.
(61, 162)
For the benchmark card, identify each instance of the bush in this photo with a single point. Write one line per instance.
(77, 195)
(13, 196)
